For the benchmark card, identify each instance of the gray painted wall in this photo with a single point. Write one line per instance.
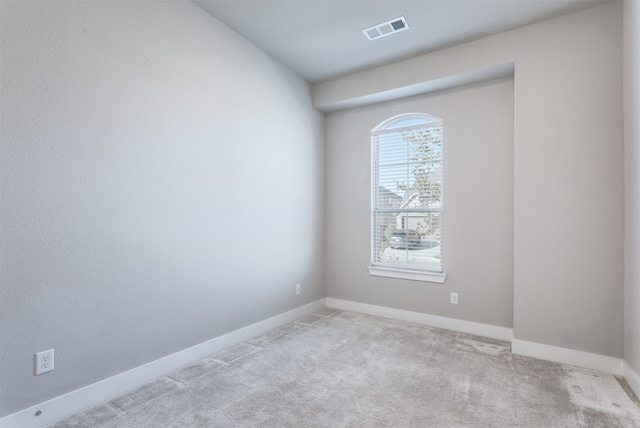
(632, 182)
(569, 200)
(124, 131)
(478, 205)
(162, 184)
(568, 176)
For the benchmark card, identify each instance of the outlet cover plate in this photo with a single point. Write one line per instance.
(454, 298)
(44, 361)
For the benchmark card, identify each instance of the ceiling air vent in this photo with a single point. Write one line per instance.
(386, 28)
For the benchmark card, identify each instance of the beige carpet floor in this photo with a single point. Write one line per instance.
(344, 369)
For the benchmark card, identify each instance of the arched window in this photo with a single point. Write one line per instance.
(407, 193)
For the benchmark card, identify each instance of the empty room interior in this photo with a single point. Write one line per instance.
(320, 213)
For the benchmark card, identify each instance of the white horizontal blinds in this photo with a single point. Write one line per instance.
(407, 172)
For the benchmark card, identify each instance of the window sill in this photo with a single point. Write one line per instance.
(407, 274)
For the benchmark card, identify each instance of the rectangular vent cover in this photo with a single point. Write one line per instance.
(386, 28)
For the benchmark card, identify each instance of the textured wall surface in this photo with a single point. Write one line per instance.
(568, 169)
(162, 185)
(632, 181)
(478, 205)
(567, 175)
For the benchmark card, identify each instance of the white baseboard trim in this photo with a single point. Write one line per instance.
(521, 347)
(479, 329)
(568, 356)
(632, 378)
(75, 401)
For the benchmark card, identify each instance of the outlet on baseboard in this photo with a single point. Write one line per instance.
(44, 361)
(297, 289)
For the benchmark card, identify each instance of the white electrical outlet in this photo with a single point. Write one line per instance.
(454, 298)
(44, 361)
(297, 289)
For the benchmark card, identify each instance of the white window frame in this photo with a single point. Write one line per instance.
(401, 271)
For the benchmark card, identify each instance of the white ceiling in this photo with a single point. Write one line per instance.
(322, 39)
